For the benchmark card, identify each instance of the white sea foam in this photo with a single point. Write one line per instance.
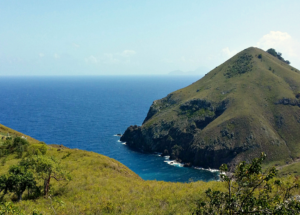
(174, 163)
(124, 143)
(157, 154)
(167, 157)
(209, 169)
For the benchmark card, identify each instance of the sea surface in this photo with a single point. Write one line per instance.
(86, 113)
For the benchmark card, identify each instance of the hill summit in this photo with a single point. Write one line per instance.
(247, 105)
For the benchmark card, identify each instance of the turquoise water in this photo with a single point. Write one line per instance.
(86, 113)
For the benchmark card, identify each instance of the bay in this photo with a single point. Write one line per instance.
(86, 112)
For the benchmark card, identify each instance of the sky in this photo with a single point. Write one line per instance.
(70, 37)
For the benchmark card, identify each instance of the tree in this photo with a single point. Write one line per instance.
(20, 145)
(251, 191)
(46, 168)
(3, 187)
(272, 52)
(278, 55)
(17, 181)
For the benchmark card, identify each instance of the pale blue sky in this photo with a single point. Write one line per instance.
(140, 37)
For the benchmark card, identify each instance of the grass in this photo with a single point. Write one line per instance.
(102, 185)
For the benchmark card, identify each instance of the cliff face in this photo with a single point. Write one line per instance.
(243, 107)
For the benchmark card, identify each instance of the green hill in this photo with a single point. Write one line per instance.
(244, 106)
(102, 185)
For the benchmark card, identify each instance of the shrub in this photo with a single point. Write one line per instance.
(278, 55)
(242, 65)
(7, 208)
(36, 150)
(272, 52)
(43, 149)
(251, 191)
(259, 56)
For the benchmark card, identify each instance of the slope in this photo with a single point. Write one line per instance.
(102, 185)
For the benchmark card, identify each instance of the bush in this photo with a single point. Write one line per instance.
(242, 65)
(278, 55)
(272, 52)
(19, 145)
(251, 191)
(43, 149)
(36, 150)
(8, 208)
(259, 56)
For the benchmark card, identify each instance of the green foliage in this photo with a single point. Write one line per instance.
(242, 65)
(36, 149)
(3, 161)
(43, 149)
(272, 52)
(201, 113)
(176, 150)
(251, 191)
(18, 145)
(278, 55)
(17, 181)
(7, 208)
(67, 155)
(259, 56)
(46, 168)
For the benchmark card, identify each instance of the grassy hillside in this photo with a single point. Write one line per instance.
(103, 185)
(233, 113)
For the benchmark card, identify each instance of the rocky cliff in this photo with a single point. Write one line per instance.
(247, 105)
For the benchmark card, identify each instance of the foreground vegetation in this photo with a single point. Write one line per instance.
(93, 184)
(250, 190)
(101, 185)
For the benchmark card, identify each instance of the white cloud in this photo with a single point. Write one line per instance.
(281, 42)
(41, 54)
(228, 53)
(56, 56)
(111, 58)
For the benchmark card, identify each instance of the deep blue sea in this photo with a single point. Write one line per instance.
(86, 112)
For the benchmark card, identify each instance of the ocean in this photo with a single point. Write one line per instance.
(86, 113)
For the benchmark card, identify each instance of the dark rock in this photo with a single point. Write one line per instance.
(279, 121)
(165, 153)
(187, 164)
(287, 101)
(133, 137)
(224, 132)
